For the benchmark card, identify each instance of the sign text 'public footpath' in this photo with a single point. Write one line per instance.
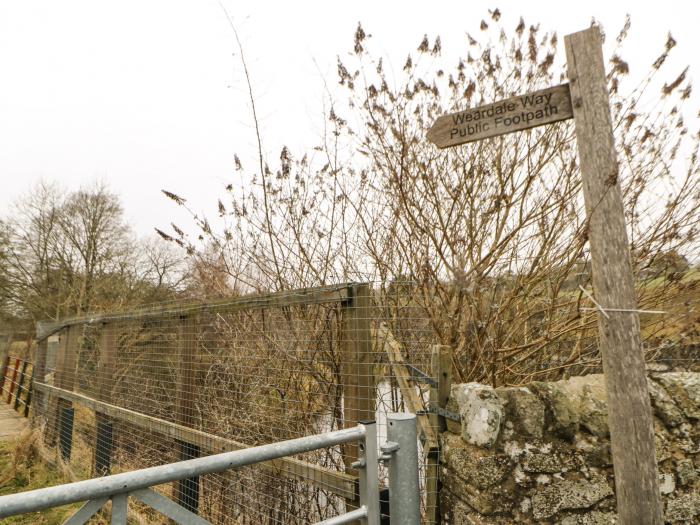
(513, 114)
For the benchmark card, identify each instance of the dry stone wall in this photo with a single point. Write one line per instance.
(541, 453)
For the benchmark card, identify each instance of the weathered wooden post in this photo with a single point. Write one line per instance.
(5, 362)
(3, 369)
(629, 411)
(61, 420)
(357, 371)
(13, 381)
(105, 377)
(30, 390)
(441, 371)
(20, 384)
(39, 375)
(187, 490)
(586, 99)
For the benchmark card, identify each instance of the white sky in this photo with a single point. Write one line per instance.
(146, 94)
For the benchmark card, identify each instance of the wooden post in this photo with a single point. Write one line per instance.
(5, 366)
(39, 374)
(5, 362)
(441, 371)
(52, 409)
(13, 381)
(61, 423)
(187, 490)
(629, 410)
(357, 365)
(20, 384)
(105, 377)
(28, 401)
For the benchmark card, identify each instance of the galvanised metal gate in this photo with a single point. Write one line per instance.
(400, 453)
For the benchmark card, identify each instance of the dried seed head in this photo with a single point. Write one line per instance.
(424, 46)
(359, 38)
(668, 88)
(174, 197)
(619, 65)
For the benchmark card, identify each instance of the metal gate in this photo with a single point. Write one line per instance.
(399, 453)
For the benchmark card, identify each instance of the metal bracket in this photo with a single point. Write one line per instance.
(360, 463)
(419, 375)
(433, 409)
(388, 449)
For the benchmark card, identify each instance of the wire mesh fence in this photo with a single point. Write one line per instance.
(133, 390)
(124, 391)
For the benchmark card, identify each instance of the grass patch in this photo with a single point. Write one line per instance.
(22, 469)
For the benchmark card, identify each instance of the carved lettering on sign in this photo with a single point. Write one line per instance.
(513, 114)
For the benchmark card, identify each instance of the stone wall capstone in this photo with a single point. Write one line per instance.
(541, 453)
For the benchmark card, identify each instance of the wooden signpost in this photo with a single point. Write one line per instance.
(586, 99)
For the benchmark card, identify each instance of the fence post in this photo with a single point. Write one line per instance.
(357, 369)
(20, 384)
(13, 381)
(5, 362)
(441, 371)
(629, 410)
(401, 449)
(28, 400)
(5, 366)
(105, 376)
(187, 490)
(39, 374)
(62, 417)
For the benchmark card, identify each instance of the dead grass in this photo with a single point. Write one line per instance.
(22, 468)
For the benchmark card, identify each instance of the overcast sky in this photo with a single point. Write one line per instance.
(148, 94)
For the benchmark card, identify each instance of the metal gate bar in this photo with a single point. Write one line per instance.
(136, 484)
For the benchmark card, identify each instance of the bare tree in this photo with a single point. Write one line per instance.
(67, 253)
(491, 236)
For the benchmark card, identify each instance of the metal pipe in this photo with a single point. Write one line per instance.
(348, 517)
(404, 491)
(140, 479)
(369, 473)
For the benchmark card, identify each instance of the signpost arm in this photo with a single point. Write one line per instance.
(629, 410)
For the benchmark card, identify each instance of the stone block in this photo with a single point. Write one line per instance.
(494, 500)
(524, 410)
(561, 412)
(683, 509)
(594, 414)
(684, 388)
(470, 464)
(546, 462)
(664, 407)
(686, 472)
(595, 452)
(481, 413)
(569, 495)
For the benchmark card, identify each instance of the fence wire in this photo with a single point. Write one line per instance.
(131, 391)
(126, 391)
